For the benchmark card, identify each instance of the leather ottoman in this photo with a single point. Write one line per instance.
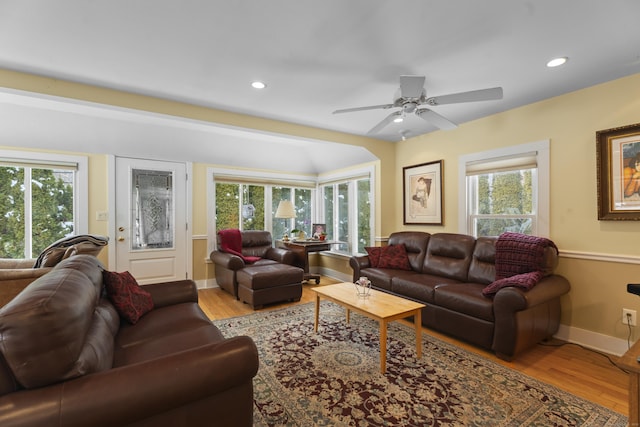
(267, 284)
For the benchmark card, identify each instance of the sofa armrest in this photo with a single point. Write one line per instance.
(170, 293)
(227, 260)
(357, 263)
(523, 319)
(512, 299)
(281, 255)
(135, 392)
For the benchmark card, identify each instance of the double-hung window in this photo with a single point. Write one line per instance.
(44, 198)
(346, 209)
(249, 201)
(506, 190)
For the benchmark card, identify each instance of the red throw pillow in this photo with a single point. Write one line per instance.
(374, 255)
(394, 256)
(129, 299)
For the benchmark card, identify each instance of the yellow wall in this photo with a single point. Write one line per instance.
(570, 122)
(598, 257)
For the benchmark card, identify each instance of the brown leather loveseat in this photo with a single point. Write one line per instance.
(448, 272)
(67, 359)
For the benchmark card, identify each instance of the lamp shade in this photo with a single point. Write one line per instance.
(285, 210)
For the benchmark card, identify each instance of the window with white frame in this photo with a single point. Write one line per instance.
(505, 190)
(347, 204)
(249, 200)
(44, 199)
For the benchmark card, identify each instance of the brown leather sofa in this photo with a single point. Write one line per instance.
(272, 278)
(67, 359)
(16, 274)
(448, 273)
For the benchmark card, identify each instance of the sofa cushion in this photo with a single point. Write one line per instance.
(483, 263)
(47, 332)
(130, 300)
(380, 277)
(449, 255)
(466, 298)
(394, 256)
(163, 331)
(374, 255)
(417, 286)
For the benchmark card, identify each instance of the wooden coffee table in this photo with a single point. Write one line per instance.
(378, 305)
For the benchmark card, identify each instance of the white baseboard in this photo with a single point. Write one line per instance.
(206, 283)
(593, 340)
(330, 273)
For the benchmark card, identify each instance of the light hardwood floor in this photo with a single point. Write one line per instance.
(568, 367)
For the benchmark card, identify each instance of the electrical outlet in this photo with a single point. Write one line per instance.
(628, 317)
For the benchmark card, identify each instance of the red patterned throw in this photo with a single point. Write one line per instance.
(519, 261)
(130, 300)
(231, 242)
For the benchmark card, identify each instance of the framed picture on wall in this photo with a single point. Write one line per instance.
(422, 193)
(618, 173)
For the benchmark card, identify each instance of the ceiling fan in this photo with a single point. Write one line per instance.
(411, 96)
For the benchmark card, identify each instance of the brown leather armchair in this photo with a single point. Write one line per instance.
(255, 243)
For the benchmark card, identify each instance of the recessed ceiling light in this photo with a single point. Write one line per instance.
(258, 85)
(556, 62)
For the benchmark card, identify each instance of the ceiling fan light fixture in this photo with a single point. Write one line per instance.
(556, 62)
(398, 119)
(258, 85)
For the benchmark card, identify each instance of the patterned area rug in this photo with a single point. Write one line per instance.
(333, 378)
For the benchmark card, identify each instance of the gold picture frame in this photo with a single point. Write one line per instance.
(618, 173)
(422, 193)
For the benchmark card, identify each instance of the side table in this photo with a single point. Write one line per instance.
(302, 248)
(629, 362)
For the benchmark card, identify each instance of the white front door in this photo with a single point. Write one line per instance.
(151, 219)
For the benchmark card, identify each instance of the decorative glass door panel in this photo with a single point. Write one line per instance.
(152, 209)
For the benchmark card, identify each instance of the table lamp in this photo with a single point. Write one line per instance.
(285, 210)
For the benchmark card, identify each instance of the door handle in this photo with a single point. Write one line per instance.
(120, 239)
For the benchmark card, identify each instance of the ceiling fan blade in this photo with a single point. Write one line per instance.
(471, 96)
(371, 107)
(436, 119)
(377, 128)
(411, 86)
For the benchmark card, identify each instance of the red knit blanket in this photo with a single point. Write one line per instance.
(519, 261)
(231, 242)
(519, 253)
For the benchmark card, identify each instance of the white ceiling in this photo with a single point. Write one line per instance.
(315, 56)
